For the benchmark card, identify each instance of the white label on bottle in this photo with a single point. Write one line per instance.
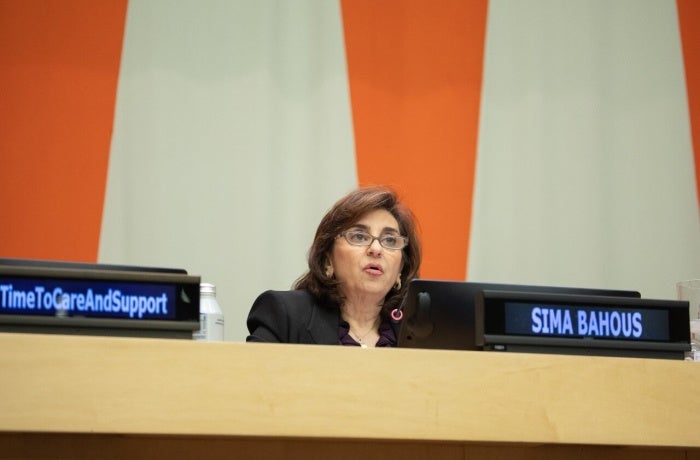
(211, 327)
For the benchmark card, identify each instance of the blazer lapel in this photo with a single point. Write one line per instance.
(323, 325)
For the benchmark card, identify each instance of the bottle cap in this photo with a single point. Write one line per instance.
(207, 288)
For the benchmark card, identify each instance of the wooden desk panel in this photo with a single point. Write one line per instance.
(115, 447)
(58, 386)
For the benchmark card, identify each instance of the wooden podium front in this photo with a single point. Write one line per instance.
(102, 397)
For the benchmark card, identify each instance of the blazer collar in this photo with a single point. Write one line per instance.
(324, 322)
(323, 325)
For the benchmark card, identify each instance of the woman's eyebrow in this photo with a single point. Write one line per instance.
(384, 230)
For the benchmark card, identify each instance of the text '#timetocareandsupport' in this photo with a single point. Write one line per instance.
(112, 301)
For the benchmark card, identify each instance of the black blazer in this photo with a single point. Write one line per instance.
(294, 317)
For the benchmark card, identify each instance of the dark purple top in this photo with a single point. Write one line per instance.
(387, 338)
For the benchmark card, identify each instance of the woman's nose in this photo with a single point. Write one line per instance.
(375, 247)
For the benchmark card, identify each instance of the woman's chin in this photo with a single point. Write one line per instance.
(374, 291)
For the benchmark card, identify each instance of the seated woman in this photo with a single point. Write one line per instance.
(365, 252)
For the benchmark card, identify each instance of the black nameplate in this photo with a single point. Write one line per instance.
(614, 326)
(108, 300)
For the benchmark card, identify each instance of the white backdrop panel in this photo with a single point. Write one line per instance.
(232, 137)
(584, 173)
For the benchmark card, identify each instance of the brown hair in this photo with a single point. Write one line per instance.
(344, 213)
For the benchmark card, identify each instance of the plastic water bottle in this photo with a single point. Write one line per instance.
(211, 318)
(694, 353)
(690, 290)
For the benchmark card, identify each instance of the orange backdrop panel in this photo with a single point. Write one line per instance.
(689, 19)
(60, 63)
(415, 72)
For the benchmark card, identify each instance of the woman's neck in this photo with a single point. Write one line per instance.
(363, 324)
(361, 316)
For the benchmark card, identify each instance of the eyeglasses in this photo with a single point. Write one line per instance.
(361, 238)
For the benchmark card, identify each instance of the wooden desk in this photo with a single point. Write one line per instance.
(87, 397)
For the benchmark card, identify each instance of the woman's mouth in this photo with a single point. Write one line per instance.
(374, 269)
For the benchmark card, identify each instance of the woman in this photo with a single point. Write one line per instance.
(364, 253)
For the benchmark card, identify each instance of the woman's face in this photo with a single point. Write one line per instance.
(367, 273)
